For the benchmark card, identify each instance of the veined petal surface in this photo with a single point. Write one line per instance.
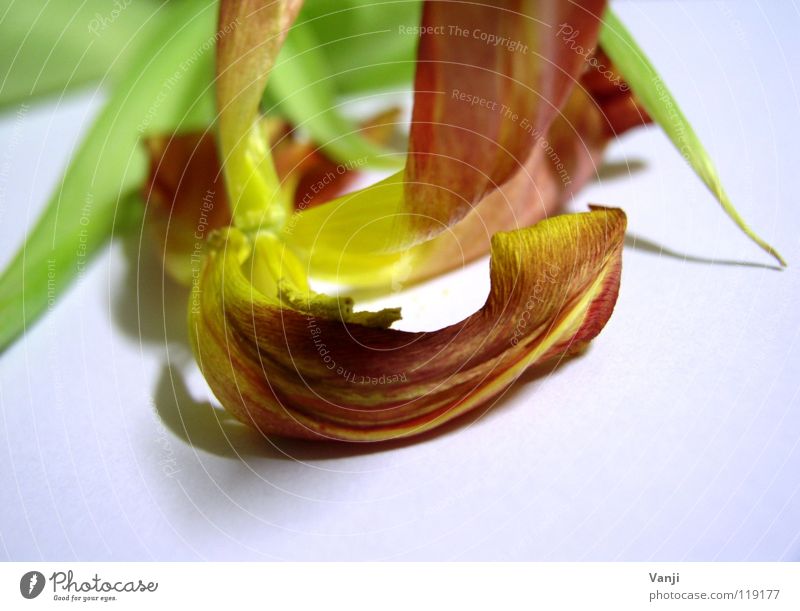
(296, 373)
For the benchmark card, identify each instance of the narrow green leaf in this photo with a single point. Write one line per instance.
(48, 48)
(168, 87)
(656, 99)
(304, 91)
(369, 45)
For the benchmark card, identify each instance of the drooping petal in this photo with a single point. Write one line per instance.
(298, 373)
(487, 89)
(254, 31)
(185, 199)
(482, 103)
(570, 154)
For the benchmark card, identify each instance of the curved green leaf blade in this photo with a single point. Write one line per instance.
(641, 76)
(168, 85)
(48, 48)
(369, 45)
(304, 91)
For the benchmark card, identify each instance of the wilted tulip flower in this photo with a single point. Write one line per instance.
(513, 107)
(500, 139)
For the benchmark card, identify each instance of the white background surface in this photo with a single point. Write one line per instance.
(676, 436)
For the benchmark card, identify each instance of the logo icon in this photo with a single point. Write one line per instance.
(31, 584)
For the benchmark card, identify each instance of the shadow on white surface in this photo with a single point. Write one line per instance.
(636, 242)
(211, 429)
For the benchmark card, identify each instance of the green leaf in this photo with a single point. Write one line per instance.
(339, 49)
(48, 48)
(304, 91)
(369, 44)
(656, 99)
(168, 87)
